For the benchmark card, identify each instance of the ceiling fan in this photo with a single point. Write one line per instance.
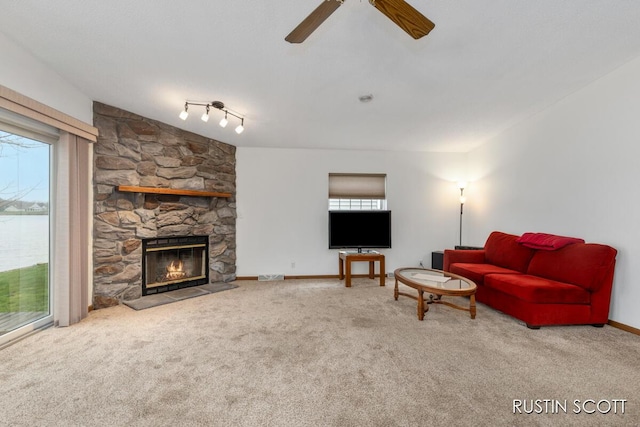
(399, 11)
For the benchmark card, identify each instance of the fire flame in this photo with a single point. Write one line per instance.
(175, 270)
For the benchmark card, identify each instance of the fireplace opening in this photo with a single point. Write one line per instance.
(170, 263)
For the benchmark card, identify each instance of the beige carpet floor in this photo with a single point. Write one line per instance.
(313, 353)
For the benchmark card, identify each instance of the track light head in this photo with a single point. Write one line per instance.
(205, 115)
(184, 113)
(224, 121)
(240, 127)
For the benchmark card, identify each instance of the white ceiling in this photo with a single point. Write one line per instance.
(487, 65)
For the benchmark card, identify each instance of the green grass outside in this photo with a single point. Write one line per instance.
(25, 289)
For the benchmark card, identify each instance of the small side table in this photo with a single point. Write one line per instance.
(349, 257)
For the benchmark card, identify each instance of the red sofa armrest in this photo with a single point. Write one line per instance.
(452, 256)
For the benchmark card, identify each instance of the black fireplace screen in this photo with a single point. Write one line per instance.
(171, 263)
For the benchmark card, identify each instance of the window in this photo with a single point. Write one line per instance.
(356, 204)
(24, 227)
(64, 267)
(348, 191)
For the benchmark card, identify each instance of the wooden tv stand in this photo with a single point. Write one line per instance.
(347, 257)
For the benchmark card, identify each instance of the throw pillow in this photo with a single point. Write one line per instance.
(546, 242)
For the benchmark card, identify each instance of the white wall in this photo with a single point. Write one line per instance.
(22, 72)
(282, 204)
(573, 170)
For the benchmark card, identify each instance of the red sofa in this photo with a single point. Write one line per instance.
(566, 286)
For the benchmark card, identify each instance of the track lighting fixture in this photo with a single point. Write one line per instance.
(217, 105)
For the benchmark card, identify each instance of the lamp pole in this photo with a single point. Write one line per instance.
(461, 186)
(461, 208)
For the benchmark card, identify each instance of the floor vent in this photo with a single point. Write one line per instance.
(270, 277)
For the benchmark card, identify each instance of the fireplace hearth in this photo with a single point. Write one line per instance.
(171, 263)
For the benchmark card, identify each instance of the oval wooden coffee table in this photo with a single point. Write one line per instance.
(437, 284)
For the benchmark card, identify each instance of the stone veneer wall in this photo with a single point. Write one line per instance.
(133, 150)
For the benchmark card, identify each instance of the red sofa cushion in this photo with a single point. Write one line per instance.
(582, 264)
(546, 242)
(452, 256)
(503, 250)
(537, 290)
(476, 272)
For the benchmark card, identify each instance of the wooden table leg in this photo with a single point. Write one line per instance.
(472, 306)
(347, 280)
(420, 304)
(395, 291)
(382, 272)
(340, 268)
(371, 269)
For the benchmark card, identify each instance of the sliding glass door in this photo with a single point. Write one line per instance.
(25, 295)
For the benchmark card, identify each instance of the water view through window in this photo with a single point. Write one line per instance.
(24, 231)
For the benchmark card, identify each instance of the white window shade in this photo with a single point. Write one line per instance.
(357, 186)
(28, 128)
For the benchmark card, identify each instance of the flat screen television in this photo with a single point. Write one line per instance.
(359, 229)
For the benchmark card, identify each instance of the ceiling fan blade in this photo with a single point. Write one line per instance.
(405, 16)
(313, 21)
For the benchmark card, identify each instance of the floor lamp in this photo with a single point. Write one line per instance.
(461, 186)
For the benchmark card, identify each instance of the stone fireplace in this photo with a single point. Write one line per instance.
(198, 175)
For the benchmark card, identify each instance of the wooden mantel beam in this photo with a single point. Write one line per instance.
(171, 191)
